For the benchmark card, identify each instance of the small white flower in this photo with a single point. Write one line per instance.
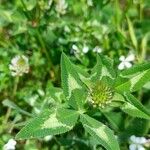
(19, 65)
(61, 6)
(136, 147)
(90, 2)
(126, 62)
(85, 49)
(139, 140)
(74, 49)
(137, 143)
(33, 99)
(10, 145)
(97, 49)
(48, 138)
(67, 29)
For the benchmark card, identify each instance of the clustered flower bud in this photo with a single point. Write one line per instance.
(101, 94)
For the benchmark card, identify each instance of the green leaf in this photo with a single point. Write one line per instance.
(47, 123)
(69, 76)
(103, 68)
(115, 119)
(67, 116)
(135, 70)
(133, 78)
(135, 126)
(12, 105)
(19, 29)
(134, 111)
(134, 108)
(147, 86)
(82, 72)
(100, 132)
(132, 33)
(55, 94)
(144, 46)
(97, 69)
(117, 100)
(30, 4)
(118, 97)
(78, 99)
(5, 17)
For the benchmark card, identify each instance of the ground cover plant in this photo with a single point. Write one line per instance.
(74, 75)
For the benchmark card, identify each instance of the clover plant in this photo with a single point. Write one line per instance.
(100, 88)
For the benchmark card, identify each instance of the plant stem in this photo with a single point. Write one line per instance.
(40, 39)
(140, 11)
(12, 97)
(24, 5)
(117, 15)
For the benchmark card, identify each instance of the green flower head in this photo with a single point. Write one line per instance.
(101, 94)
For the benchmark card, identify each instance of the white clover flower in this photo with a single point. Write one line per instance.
(10, 145)
(19, 65)
(90, 2)
(126, 62)
(97, 49)
(85, 49)
(137, 143)
(61, 6)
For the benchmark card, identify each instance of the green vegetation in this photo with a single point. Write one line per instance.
(74, 74)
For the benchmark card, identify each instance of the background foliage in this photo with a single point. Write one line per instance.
(37, 30)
